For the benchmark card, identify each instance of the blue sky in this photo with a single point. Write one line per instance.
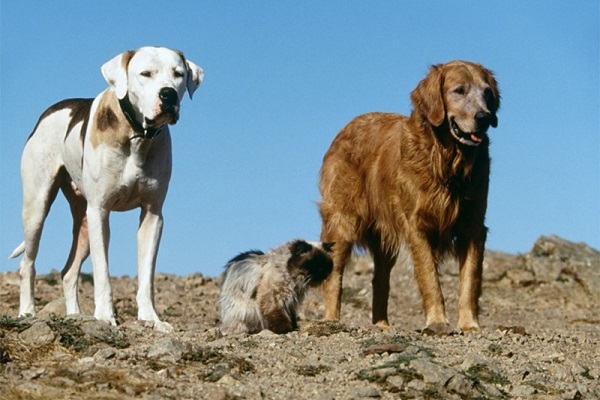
(281, 79)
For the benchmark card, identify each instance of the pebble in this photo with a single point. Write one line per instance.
(105, 354)
(38, 334)
(167, 349)
(368, 391)
(538, 353)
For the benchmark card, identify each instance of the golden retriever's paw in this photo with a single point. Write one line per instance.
(470, 326)
(384, 326)
(438, 329)
(469, 329)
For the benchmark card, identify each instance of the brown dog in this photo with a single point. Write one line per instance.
(423, 180)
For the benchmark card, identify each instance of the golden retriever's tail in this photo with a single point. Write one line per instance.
(18, 251)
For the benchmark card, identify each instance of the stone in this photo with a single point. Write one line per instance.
(38, 334)
(432, 372)
(368, 391)
(105, 354)
(462, 385)
(167, 349)
(55, 307)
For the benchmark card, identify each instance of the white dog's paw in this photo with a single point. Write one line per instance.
(163, 327)
(106, 317)
(27, 310)
(108, 320)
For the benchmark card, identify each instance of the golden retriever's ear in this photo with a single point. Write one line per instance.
(494, 102)
(427, 98)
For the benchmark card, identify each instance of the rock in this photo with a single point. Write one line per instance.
(553, 258)
(167, 349)
(462, 386)
(212, 334)
(521, 277)
(384, 348)
(96, 329)
(323, 328)
(396, 382)
(33, 373)
(522, 391)
(267, 333)
(105, 354)
(517, 330)
(369, 391)
(55, 307)
(217, 394)
(38, 334)
(432, 372)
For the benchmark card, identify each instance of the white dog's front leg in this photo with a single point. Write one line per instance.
(99, 234)
(149, 233)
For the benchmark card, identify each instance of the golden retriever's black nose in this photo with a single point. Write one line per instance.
(168, 96)
(483, 120)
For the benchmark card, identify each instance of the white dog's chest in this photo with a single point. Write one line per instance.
(123, 183)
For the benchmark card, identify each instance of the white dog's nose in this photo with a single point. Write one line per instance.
(168, 96)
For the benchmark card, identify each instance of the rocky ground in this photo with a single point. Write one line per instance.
(540, 340)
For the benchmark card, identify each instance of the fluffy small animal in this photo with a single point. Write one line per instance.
(264, 291)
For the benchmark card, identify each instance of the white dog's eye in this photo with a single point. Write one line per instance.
(146, 74)
(178, 74)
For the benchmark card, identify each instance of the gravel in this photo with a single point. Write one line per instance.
(540, 340)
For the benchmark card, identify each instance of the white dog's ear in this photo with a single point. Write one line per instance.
(115, 73)
(195, 77)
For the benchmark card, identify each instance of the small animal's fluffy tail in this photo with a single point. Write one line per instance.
(18, 251)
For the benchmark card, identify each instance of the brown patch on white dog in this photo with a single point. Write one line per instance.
(264, 291)
(388, 179)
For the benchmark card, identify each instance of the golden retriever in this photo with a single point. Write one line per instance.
(388, 179)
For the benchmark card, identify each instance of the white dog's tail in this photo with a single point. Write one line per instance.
(18, 251)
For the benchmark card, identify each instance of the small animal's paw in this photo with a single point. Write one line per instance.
(437, 329)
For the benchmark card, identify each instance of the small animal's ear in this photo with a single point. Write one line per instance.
(300, 247)
(115, 73)
(427, 98)
(328, 246)
(195, 77)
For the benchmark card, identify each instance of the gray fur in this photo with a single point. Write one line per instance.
(263, 291)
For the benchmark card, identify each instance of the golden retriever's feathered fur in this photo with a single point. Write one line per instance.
(389, 179)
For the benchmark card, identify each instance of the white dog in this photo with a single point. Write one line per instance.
(108, 153)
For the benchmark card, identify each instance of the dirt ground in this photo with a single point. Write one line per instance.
(540, 340)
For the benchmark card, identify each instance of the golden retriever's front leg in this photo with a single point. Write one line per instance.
(428, 282)
(471, 267)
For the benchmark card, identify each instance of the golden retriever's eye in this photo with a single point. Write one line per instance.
(488, 95)
(459, 90)
(146, 74)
